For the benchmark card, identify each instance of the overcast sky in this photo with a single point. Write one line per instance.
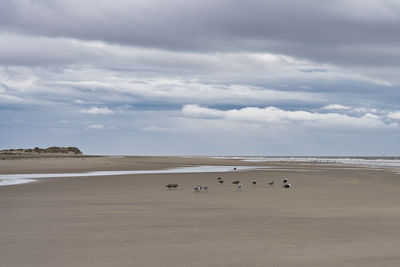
(190, 77)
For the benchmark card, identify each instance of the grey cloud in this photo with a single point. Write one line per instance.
(155, 91)
(42, 51)
(343, 32)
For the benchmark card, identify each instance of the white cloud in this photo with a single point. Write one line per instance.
(96, 127)
(365, 110)
(65, 121)
(178, 90)
(83, 102)
(335, 107)
(155, 128)
(272, 115)
(394, 115)
(97, 111)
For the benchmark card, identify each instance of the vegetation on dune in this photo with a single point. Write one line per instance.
(49, 150)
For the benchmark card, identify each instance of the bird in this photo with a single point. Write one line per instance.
(285, 180)
(271, 183)
(196, 189)
(254, 182)
(171, 186)
(205, 188)
(221, 181)
(219, 178)
(235, 168)
(239, 186)
(287, 186)
(236, 182)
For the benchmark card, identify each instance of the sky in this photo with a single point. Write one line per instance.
(201, 77)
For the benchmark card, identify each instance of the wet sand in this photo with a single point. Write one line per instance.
(333, 216)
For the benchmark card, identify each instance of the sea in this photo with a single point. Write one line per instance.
(372, 161)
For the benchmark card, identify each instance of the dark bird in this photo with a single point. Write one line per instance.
(236, 182)
(221, 181)
(254, 182)
(285, 180)
(170, 186)
(271, 183)
(287, 186)
(219, 178)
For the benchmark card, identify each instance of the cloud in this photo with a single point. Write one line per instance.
(86, 86)
(335, 107)
(96, 127)
(97, 111)
(344, 32)
(241, 67)
(154, 128)
(83, 102)
(4, 98)
(346, 109)
(394, 115)
(27, 50)
(273, 115)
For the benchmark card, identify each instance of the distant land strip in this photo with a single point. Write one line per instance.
(42, 152)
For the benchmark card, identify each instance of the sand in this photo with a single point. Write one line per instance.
(333, 216)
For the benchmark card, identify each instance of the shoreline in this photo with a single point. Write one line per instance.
(17, 179)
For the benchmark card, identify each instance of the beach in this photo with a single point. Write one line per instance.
(334, 214)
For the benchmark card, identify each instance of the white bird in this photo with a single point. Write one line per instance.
(239, 186)
(205, 188)
(271, 183)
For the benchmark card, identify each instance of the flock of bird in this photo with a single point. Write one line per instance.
(236, 183)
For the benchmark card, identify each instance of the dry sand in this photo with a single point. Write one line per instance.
(334, 215)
